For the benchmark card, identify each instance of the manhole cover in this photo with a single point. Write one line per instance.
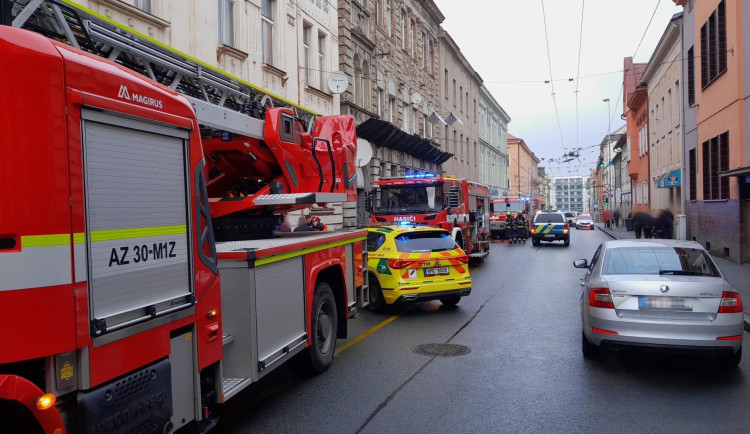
(442, 350)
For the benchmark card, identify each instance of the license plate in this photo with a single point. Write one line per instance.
(549, 235)
(664, 303)
(436, 271)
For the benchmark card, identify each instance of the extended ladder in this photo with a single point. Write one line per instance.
(222, 101)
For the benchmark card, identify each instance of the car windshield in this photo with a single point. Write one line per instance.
(549, 218)
(584, 219)
(659, 260)
(569, 214)
(425, 241)
(408, 199)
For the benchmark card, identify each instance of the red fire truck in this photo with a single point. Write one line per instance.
(501, 208)
(458, 205)
(142, 284)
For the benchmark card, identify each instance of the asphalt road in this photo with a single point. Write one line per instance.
(524, 371)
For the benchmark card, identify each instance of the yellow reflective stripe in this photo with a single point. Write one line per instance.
(187, 56)
(548, 229)
(281, 257)
(121, 234)
(79, 238)
(45, 240)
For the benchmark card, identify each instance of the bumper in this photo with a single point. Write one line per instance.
(663, 335)
(550, 237)
(427, 291)
(584, 226)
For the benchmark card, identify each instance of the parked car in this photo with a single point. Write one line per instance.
(415, 263)
(585, 222)
(549, 226)
(659, 295)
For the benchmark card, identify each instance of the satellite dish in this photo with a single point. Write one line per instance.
(416, 98)
(337, 81)
(364, 152)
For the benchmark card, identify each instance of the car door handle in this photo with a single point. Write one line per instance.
(582, 284)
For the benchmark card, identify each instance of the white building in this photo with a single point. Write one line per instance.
(569, 193)
(493, 144)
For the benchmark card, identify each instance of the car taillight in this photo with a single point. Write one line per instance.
(399, 263)
(463, 259)
(566, 229)
(731, 302)
(600, 297)
(533, 229)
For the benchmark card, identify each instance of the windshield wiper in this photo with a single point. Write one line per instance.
(682, 272)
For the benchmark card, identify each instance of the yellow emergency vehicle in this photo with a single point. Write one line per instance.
(415, 263)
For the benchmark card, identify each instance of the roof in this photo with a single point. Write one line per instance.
(383, 133)
(653, 243)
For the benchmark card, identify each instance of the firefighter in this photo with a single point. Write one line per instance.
(519, 224)
(509, 230)
(521, 227)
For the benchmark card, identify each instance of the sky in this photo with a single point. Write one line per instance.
(504, 40)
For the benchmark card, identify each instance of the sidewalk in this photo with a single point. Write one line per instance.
(737, 275)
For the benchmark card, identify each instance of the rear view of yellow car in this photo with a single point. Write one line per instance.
(415, 263)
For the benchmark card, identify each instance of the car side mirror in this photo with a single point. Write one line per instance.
(581, 263)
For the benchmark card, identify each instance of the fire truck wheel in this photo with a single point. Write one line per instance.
(324, 328)
(377, 302)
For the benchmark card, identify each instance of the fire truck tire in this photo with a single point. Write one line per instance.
(377, 301)
(17, 419)
(316, 358)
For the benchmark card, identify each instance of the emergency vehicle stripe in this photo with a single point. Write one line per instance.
(281, 257)
(44, 260)
(121, 234)
(45, 240)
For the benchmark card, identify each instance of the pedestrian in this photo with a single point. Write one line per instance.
(607, 218)
(616, 216)
(303, 224)
(284, 226)
(509, 230)
(641, 220)
(520, 226)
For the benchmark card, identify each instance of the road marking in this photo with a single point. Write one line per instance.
(359, 338)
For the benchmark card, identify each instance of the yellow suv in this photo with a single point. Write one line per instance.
(415, 263)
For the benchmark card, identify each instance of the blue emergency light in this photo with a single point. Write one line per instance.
(420, 175)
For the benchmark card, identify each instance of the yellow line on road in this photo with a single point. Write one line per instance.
(356, 340)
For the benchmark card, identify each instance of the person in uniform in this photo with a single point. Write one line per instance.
(521, 227)
(509, 227)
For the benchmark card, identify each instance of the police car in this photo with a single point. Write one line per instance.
(415, 263)
(549, 226)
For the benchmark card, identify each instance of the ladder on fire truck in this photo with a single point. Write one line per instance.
(222, 102)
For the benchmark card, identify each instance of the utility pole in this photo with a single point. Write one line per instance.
(609, 157)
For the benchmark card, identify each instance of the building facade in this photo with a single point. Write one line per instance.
(493, 144)
(389, 51)
(459, 107)
(621, 186)
(523, 169)
(635, 110)
(716, 91)
(569, 193)
(662, 76)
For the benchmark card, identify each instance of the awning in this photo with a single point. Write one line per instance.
(383, 133)
(740, 171)
(671, 179)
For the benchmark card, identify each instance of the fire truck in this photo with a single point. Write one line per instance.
(142, 283)
(458, 205)
(501, 207)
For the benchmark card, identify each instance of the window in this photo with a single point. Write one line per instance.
(405, 116)
(389, 17)
(266, 11)
(365, 86)
(306, 30)
(643, 140)
(378, 19)
(226, 22)
(391, 108)
(445, 86)
(461, 95)
(413, 38)
(403, 30)
(691, 76)
(357, 83)
(145, 5)
(430, 66)
(693, 175)
(714, 46)
(424, 50)
(455, 143)
(424, 125)
(378, 102)
(321, 60)
(461, 147)
(454, 92)
(466, 100)
(715, 160)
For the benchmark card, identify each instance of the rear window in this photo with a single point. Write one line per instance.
(420, 242)
(659, 260)
(584, 219)
(549, 218)
(569, 214)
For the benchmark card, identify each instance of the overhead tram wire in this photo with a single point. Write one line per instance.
(552, 84)
(578, 70)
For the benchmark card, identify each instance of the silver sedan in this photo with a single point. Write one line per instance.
(659, 295)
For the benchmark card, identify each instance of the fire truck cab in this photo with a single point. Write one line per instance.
(458, 205)
(512, 205)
